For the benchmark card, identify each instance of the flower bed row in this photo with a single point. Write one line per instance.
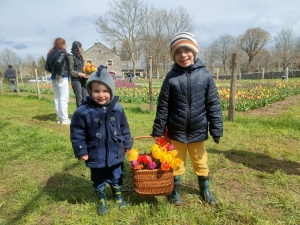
(249, 94)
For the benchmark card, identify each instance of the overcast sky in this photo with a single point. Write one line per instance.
(30, 26)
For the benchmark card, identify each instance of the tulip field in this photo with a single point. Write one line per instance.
(250, 94)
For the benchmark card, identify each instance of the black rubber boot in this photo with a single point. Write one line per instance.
(204, 191)
(102, 202)
(117, 191)
(174, 197)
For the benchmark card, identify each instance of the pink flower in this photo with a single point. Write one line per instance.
(170, 147)
(151, 165)
(134, 163)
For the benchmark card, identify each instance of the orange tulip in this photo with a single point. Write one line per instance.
(165, 166)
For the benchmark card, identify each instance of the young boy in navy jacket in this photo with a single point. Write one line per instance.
(100, 136)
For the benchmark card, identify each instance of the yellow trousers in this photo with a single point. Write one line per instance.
(198, 156)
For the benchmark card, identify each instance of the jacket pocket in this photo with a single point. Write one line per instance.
(119, 140)
(93, 155)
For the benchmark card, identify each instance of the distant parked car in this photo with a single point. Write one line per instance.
(119, 77)
(43, 79)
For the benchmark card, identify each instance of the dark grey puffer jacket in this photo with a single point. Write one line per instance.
(189, 105)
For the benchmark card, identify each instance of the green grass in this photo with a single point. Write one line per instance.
(255, 171)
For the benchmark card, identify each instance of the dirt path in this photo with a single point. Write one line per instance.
(277, 108)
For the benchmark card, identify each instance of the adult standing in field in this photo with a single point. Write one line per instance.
(189, 107)
(78, 78)
(58, 64)
(10, 74)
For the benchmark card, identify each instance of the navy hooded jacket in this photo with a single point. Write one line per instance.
(100, 132)
(188, 105)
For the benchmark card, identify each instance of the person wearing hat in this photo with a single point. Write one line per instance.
(189, 108)
(100, 135)
(10, 74)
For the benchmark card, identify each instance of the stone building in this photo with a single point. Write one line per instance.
(127, 67)
(99, 54)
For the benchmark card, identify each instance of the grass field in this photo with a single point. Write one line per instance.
(255, 171)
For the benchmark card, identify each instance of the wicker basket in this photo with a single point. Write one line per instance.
(152, 182)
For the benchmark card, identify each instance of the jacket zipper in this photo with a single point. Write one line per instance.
(106, 138)
(189, 104)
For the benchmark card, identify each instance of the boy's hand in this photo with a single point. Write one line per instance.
(85, 157)
(127, 151)
(216, 140)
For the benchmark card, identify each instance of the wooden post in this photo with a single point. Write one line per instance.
(17, 82)
(37, 84)
(231, 109)
(21, 73)
(1, 81)
(287, 73)
(217, 73)
(263, 74)
(150, 83)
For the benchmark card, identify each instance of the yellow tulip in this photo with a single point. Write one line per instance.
(156, 152)
(176, 163)
(173, 153)
(133, 154)
(165, 158)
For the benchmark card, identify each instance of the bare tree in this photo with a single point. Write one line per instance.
(30, 64)
(297, 52)
(264, 59)
(209, 57)
(177, 20)
(223, 49)
(284, 46)
(124, 24)
(8, 57)
(41, 65)
(252, 42)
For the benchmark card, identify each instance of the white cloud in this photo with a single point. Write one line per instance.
(35, 23)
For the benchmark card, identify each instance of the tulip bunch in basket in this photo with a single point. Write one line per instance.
(162, 156)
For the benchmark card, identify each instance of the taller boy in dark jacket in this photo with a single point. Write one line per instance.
(189, 106)
(100, 135)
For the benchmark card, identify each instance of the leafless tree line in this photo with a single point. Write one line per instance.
(141, 30)
(137, 30)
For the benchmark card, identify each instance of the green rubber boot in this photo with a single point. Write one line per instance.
(102, 210)
(117, 191)
(174, 197)
(204, 191)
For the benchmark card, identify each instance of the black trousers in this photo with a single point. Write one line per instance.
(79, 91)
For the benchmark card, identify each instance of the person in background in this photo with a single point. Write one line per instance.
(10, 74)
(189, 107)
(100, 135)
(78, 78)
(60, 75)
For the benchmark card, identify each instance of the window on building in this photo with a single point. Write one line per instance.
(89, 61)
(109, 62)
(99, 52)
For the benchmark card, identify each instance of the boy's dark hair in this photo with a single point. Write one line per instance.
(9, 66)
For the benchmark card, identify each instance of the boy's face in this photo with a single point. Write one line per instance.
(184, 57)
(100, 93)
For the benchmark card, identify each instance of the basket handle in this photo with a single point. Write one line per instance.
(140, 137)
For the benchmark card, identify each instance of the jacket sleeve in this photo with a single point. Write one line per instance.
(162, 110)
(77, 135)
(128, 143)
(72, 71)
(60, 63)
(213, 110)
